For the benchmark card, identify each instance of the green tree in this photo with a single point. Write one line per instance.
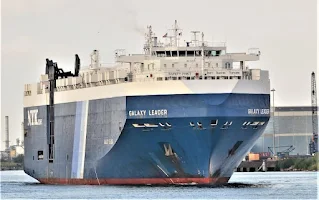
(18, 159)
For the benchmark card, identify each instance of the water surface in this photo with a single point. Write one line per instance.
(254, 185)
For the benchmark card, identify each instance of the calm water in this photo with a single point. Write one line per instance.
(255, 185)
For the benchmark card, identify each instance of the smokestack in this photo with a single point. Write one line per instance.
(7, 132)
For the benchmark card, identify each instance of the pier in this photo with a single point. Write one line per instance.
(254, 166)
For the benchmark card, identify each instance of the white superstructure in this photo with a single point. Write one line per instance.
(165, 68)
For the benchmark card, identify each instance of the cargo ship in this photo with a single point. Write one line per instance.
(179, 113)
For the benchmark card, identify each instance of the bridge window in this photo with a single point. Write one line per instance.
(168, 54)
(190, 53)
(161, 54)
(174, 53)
(182, 53)
(213, 53)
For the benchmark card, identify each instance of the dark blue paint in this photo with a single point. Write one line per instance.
(139, 152)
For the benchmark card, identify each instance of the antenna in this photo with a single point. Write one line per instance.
(148, 41)
(150, 33)
(176, 34)
(194, 40)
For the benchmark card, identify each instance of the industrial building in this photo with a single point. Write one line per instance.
(292, 127)
(13, 150)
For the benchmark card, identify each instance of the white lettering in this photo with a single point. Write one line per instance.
(33, 118)
(108, 141)
(139, 113)
(258, 111)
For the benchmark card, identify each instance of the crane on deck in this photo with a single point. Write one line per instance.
(313, 145)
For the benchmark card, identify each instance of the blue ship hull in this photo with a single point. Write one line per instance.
(168, 139)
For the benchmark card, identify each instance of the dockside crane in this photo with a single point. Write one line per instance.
(313, 145)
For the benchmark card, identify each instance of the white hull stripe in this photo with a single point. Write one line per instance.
(79, 144)
(152, 88)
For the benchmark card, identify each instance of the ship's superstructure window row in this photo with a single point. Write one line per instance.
(190, 53)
